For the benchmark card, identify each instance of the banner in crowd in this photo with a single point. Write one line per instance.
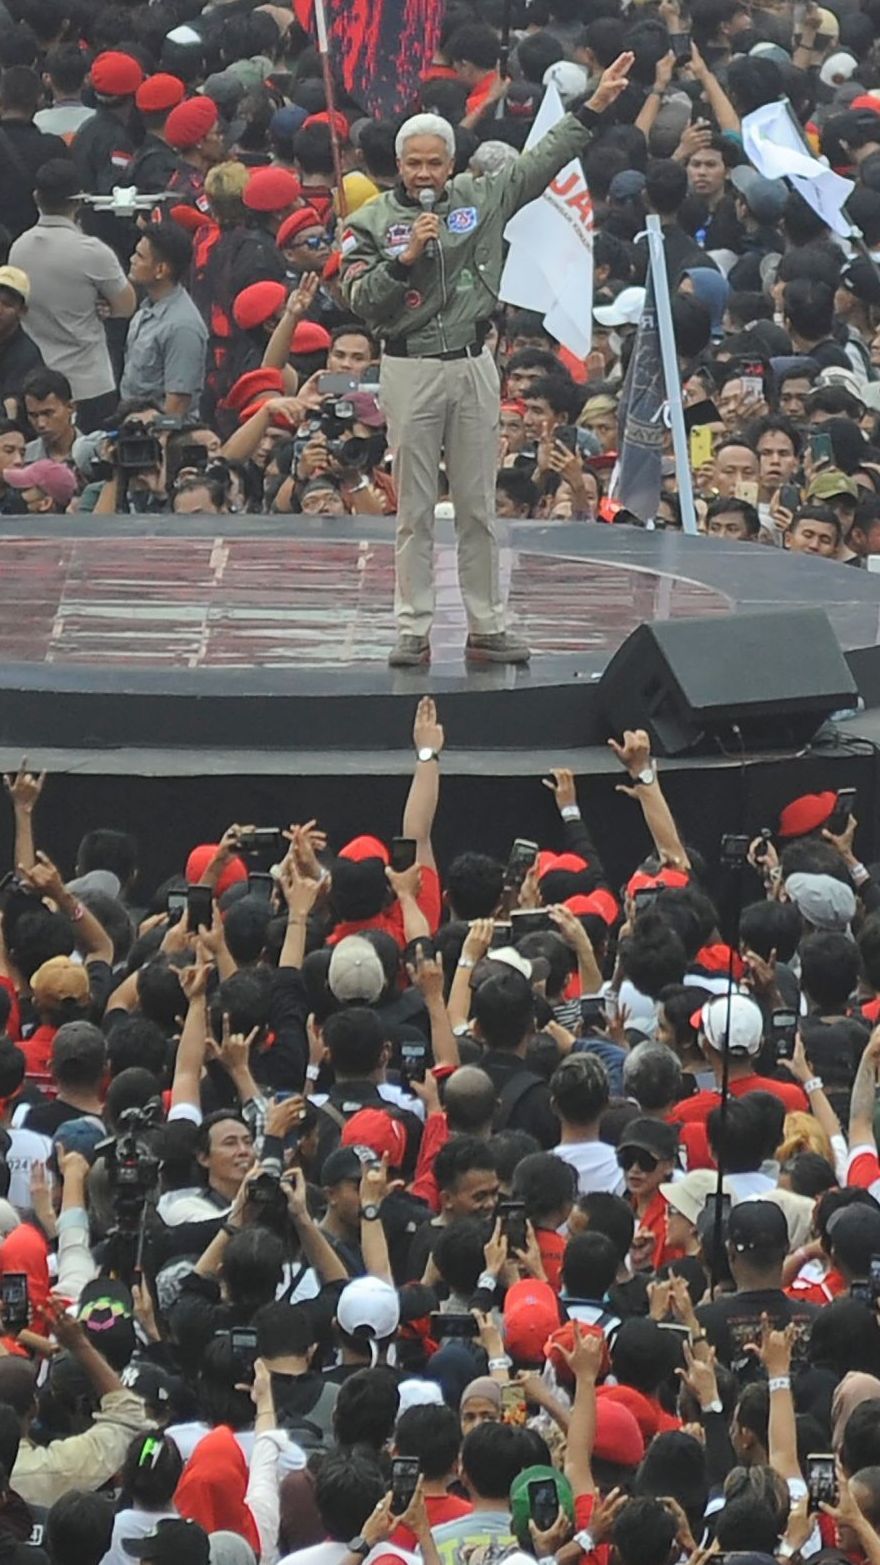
(379, 49)
(549, 266)
(772, 141)
(641, 419)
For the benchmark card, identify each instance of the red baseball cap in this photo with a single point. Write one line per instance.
(600, 902)
(807, 813)
(531, 1315)
(640, 881)
(618, 1437)
(233, 870)
(258, 303)
(190, 122)
(361, 848)
(338, 120)
(565, 1337)
(376, 1129)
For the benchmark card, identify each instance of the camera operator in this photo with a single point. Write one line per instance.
(136, 484)
(344, 443)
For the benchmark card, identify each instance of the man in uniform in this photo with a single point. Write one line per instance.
(421, 266)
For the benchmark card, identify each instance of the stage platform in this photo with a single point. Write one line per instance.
(190, 671)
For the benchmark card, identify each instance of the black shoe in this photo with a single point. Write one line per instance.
(410, 652)
(502, 648)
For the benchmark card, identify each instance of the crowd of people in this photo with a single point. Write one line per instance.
(356, 1208)
(175, 353)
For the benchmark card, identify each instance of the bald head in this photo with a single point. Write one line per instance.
(469, 1101)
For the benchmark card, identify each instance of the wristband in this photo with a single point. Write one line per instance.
(466, 961)
(500, 1363)
(312, 1072)
(858, 874)
(779, 1383)
(715, 1406)
(570, 812)
(699, 1336)
(487, 1280)
(585, 1540)
(814, 1084)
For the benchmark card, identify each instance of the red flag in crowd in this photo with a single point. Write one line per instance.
(378, 48)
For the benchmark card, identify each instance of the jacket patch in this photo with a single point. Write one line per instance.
(349, 241)
(412, 299)
(397, 236)
(463, 220)
(356, 269)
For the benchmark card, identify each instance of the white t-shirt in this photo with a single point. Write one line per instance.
(132, 1523)
(744, 1185)
(26, 1147)
(596, 1165)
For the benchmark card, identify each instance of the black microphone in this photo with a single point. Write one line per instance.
(427, 199)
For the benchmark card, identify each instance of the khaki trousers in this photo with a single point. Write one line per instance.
(449, 406)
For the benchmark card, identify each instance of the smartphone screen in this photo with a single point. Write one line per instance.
(261, 886)
(513, 1406)
(404, 1481)
(821, 449)
(543, 1503)
(783, 1025)
(522, 857)
(530, 921)
(332, 385)
(513, 1222)
(175, 904)
(843, 809)
(403, 854)
(821, 1479)
(413, 1061)
(199, 908)
(450, 1325)
(14, 1300)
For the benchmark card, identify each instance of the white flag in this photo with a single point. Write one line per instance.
(772, 143)
(549, 266)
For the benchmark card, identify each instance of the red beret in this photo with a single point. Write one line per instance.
(571, 862)
(279, 419)
(234, 869)
(116, 75)
(304, 217)
(271, 190)
(600, 902)
(664, 877)
(361, 848)
(190, 218)
(866, 101)
(159, 92)
(340, 123)
(806, 814)
(331, 268)
(514, 405)
(257, 304)
(253, 384)
(190, 122)
(309, 337)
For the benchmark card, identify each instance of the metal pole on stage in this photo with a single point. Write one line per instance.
(671, 373)
(321, 28)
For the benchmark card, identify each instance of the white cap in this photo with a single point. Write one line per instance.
(839, 67)
(355, 973)
(625, 310)
(690, 1194)
(418, 1393)
(512, 958)
(569, 79)
(746, 1023)
(369, 1305)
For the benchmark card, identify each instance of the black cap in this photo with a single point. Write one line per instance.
(650, 1135)
(173, 1543)
(344, 1163)
(854, 1235)
(758, 1225)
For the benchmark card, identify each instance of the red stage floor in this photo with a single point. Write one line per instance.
(233, 602)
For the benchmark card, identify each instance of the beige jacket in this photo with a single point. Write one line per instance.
(43, 1473)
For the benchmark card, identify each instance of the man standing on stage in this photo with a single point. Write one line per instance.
(421, 265)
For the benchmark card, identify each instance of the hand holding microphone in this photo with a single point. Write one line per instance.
(425, 231)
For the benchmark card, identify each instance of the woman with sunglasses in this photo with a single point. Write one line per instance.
(646, 1154)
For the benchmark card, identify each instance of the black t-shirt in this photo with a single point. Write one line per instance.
(734, 1320)
(834, 1049)
(531, 1111)
(45, 1118)
(23, 149)
(19, 355)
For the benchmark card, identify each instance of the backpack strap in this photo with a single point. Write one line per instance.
(511, 1094)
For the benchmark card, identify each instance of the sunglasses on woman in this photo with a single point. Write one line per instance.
(637, 1157)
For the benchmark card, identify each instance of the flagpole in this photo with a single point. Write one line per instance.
(671, 373)
(321, 29)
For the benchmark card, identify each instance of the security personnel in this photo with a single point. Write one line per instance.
(155, 162)
(104, 147)
(421, 265)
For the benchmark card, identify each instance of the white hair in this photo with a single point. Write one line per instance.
(425, 125)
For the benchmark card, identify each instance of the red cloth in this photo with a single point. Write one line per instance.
(699, 1107)
(434, 1136)
(479, 93)
(863, 1171)
(654, 1219)
(552, 1248)
(696, 1146)
(213, 1487)
(831, 1287)
(584, 1505)
(25, 1250)
(440, 1508)
(391, 918)
(13, 1026)
(37, 1050)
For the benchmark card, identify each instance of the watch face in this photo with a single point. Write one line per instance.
(426, 754)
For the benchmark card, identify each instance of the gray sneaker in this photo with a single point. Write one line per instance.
(410, 652)
(503, 648)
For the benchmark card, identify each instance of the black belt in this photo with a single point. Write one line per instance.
(398, 348)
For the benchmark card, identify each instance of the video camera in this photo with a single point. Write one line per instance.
(132, 1164)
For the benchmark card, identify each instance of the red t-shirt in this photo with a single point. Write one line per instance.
(699, 1107)
(552, 1248)
(806, 1292)
(654, 1218)
(424, 1184)
(37, 1050)
(863, 1170)
(440, 1508)
(391, 918)
(480, 92)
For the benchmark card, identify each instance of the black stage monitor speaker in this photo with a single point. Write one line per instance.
(776, 676)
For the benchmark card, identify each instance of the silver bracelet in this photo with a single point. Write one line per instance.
(500, 1363)
(465, 961)
(779, 1383)
(487, 1280)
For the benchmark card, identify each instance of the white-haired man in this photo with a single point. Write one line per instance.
(421, 265)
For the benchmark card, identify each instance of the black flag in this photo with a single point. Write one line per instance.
(641, 423)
